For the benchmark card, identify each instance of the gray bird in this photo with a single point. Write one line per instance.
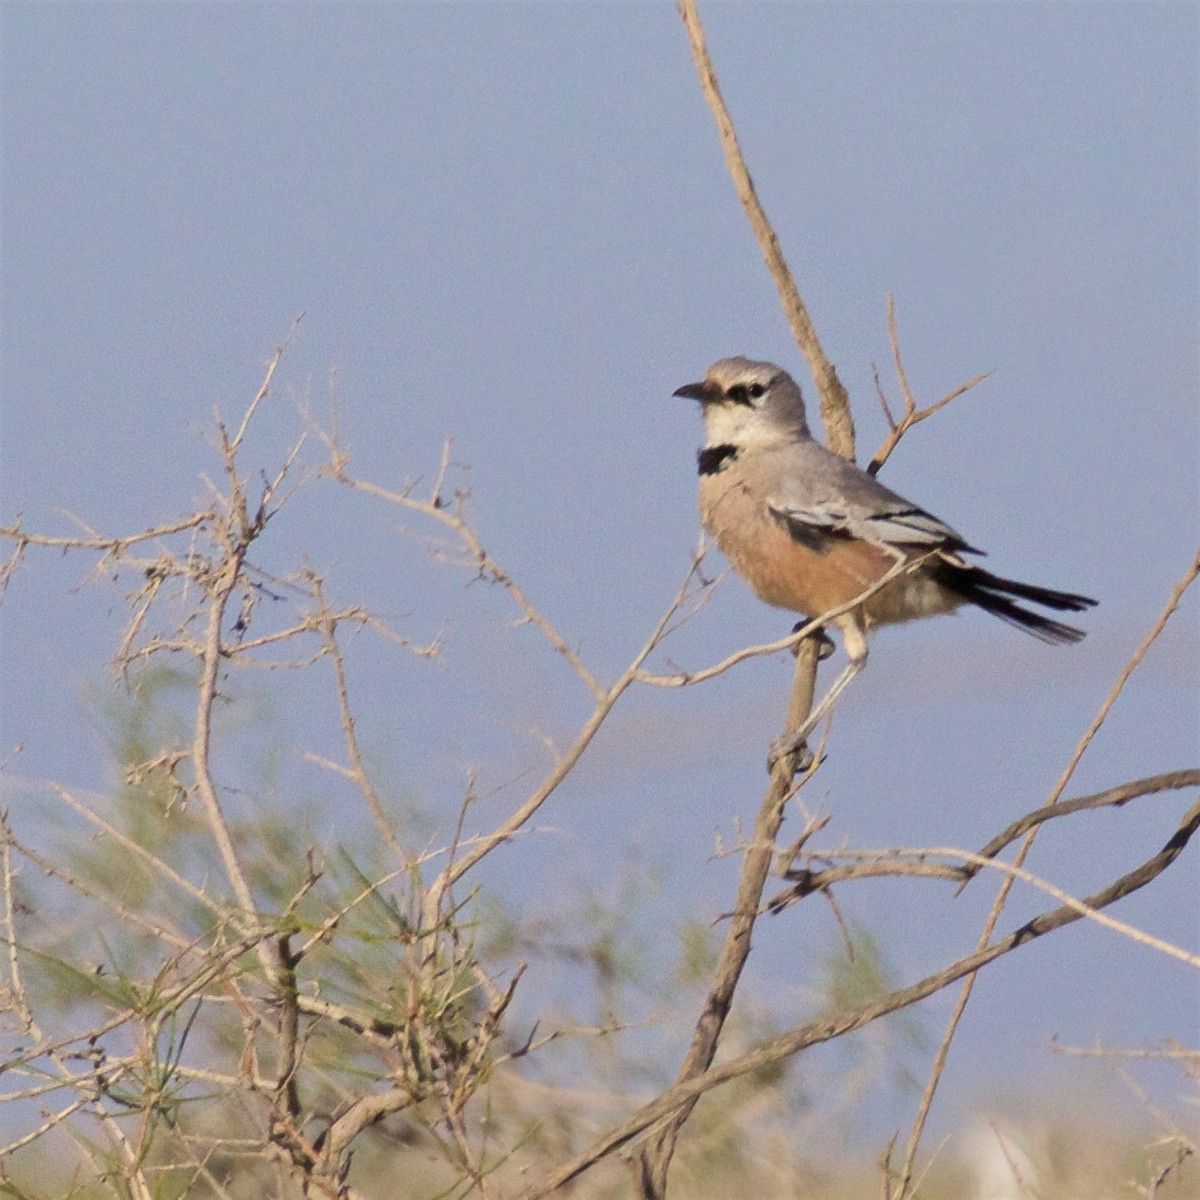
(810, 532)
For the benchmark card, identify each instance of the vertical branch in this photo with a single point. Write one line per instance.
(358, 769)
(835, 403)
(235, 533)
(16, 999)
(202, 742)
(654, 1161)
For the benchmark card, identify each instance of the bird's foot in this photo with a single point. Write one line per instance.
(825, 645)
(788, 744)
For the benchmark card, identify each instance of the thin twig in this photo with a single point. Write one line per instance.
(562, 768)
(912, 414)
(265, 388)
(1122, 679)
(328, 625)
(114, 546)
(687, 678)
(909, 862)
(451, 516)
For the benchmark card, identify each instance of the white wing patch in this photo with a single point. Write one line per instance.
(911, 527)
(827, 517)
(898, 528)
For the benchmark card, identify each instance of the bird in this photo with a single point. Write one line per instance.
(811, 532)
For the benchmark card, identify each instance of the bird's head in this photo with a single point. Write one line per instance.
(748, 403)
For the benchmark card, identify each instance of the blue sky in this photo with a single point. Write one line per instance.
(511, 223)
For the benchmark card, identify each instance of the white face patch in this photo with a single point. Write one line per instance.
(752, 404)
(743, 425)
(733, 424)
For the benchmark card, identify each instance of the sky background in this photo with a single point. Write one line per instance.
(512, 224)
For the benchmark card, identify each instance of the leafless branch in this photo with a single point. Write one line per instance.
(873, 864)
(450, 514)
(687, 678)
(653, 1163)
(835, 403)
(328, 624)
(686, 1092)
(1114, 797)
(964, 997)
(866, 864)
(912, 414)
(264, 389)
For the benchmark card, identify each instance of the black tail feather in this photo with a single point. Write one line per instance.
(992, 593)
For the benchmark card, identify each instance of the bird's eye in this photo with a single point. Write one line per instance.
(737, 394)
(756, 390)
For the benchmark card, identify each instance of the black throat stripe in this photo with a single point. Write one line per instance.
(712, 458)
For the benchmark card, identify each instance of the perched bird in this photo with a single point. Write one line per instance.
(811, 532)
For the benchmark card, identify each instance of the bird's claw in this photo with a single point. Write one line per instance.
(825, 645)
(787, 744)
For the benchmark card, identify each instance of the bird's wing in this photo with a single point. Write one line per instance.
(819, 495)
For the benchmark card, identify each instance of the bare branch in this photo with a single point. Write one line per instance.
(566, 763)
(1098, 1051)
(835, 403)
(201, 744)
(911, 863)
(867, 864)
(1135, 659)
(655, 1159)
(686, 678)
(327, 622)
(114, 546)
(912, 414)
(825, 1028)
(264, 390)
(943, 1051)
(451, 516)
(1114, 797)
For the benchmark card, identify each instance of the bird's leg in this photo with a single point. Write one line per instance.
(825, 647)
(855, 640)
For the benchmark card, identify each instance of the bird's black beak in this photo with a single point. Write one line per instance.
(696, 391)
